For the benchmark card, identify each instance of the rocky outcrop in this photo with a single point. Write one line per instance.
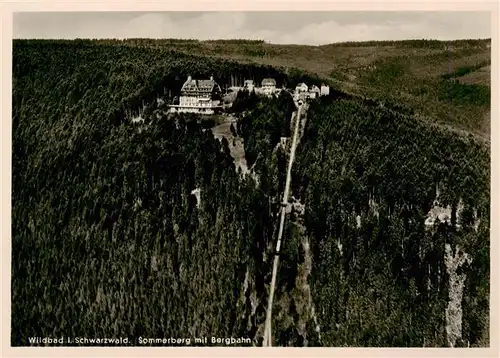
(456, 285)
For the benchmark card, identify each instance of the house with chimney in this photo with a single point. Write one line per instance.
(198, 96)
(314, 91)
(301, 87)
(268, 86)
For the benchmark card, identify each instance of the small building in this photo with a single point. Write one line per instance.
(301, 87)
(198, 96)
(315, 89)
(249, 85)
(283, 141)
(325, 90)
(268, 86)
(314, 92)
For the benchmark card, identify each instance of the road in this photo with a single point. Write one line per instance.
(267, 328)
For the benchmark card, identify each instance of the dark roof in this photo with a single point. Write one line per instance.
(200, 85)
(269, 81)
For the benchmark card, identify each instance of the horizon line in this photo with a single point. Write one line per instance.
(243, 40)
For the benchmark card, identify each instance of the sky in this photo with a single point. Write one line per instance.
(308, 28)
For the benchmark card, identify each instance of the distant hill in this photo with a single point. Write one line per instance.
(444, 81)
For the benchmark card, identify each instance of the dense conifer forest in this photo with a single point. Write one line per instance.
(108, 239)
(384, 281)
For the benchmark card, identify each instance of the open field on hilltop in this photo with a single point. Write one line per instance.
(411, 72)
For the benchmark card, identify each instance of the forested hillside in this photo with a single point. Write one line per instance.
(109, 241)
(368, 178)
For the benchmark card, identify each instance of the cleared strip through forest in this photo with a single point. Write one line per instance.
(267, 328)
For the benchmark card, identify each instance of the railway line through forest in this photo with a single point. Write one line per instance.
(267, 342)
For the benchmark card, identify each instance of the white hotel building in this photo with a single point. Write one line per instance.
(198, 96)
